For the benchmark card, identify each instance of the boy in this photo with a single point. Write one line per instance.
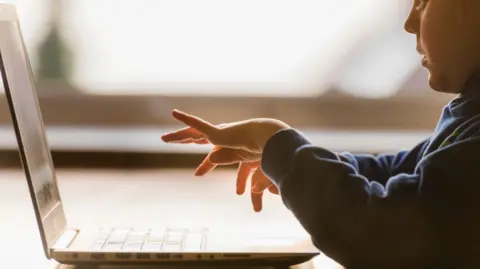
(415, 209)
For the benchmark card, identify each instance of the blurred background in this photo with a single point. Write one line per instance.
(108, 73)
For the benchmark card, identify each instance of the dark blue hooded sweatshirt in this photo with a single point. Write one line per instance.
(418, 208)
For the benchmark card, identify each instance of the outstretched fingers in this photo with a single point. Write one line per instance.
(202, 126)
(184, 135)
(206, 166)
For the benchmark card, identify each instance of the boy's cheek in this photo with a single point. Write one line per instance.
(437, 46)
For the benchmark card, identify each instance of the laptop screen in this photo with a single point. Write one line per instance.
(34, 150)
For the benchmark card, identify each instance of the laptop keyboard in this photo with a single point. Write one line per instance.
(150, 240)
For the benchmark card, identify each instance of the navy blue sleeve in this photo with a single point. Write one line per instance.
(384, 166)
(413, 221)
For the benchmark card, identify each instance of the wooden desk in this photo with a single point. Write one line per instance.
(135, 198)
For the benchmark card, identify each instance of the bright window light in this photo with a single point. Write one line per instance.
(217, 47)
(231, 47)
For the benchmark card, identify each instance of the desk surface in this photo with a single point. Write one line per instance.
(135, 198)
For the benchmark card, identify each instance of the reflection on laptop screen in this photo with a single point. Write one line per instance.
(30, 123)
(35, 153)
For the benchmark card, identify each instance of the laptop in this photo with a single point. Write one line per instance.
(74, 245)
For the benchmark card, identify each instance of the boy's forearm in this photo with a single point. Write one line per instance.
(349, 218)
(377, 168)
(381, 167)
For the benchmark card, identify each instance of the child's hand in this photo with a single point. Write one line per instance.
(235, 142)
(238, 142)
(259, 183)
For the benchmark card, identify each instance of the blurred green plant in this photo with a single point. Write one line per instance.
(55, 59)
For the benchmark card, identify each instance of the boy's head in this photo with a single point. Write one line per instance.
(448, 35)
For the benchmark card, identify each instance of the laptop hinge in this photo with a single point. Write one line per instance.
(66, 239)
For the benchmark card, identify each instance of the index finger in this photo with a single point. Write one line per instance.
(182, 134)
(242, 176)
(243, 173)
(195, 122)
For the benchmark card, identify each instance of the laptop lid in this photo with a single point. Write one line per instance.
(29, 129)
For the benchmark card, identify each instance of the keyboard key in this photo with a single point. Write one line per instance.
(118, 236)
(156, 237)
(193, 242)
(174, 238)
(115, 246)
(135, 239)
(133, 246)
(138, 234)
(97, 246)
(171, 247)
(103, 235)
(152, 246)
(119, 231)
(101, 241)
(198, 230)
(176, 231)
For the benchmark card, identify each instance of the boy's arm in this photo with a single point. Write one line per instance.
(380, 168)
(405, 224)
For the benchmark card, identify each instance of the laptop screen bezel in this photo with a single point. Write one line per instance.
(54, 224)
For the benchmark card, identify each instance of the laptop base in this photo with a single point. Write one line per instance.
(233, 264)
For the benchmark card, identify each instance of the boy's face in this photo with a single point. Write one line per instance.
(448, 36)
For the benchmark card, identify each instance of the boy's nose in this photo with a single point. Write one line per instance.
(412, 24)
(408, 26)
